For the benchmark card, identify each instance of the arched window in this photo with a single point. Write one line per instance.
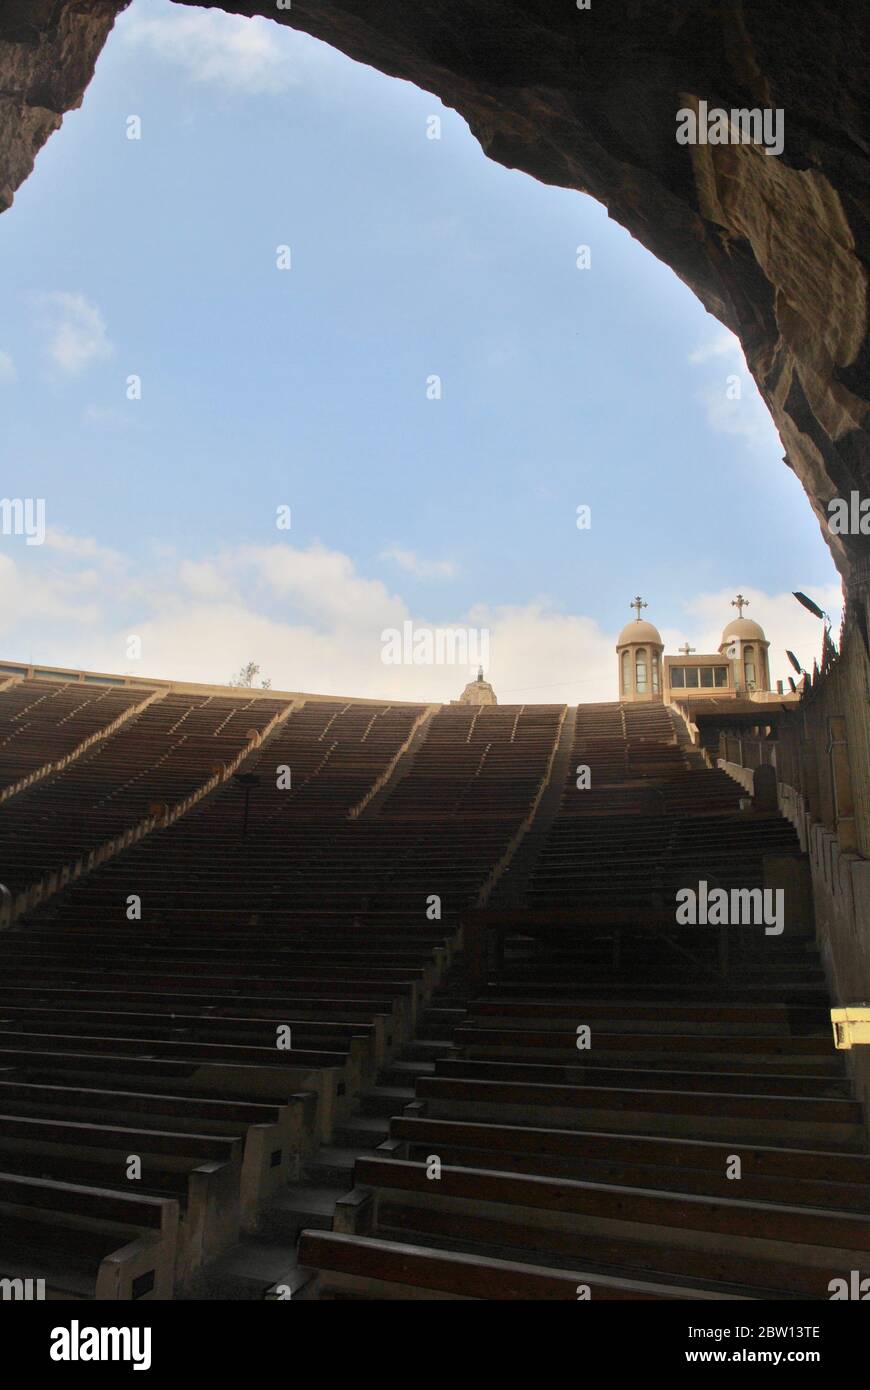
(626, 673)
(655, 673)
(640, 671)
(749, 667)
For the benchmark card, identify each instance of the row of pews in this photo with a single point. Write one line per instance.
(282, 1004)
(158, 757)
(43, 721)
(166, 1070)
(650, 822)
(610, 1116)
(156, 1091)
(526, 1168)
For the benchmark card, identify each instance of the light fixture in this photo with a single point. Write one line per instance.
(812, 607)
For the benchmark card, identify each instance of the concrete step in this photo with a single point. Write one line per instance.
(439, 1028)
(332, 1165)
(246, 1270)
(302, 1205)
(362, 1130)
(426, 1049)
(386, 1100)
(404, 1073)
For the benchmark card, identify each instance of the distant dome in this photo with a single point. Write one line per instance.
(478, 692)
(745, 629)
(639, 631)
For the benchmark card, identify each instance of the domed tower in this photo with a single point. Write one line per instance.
(639, 650)
(745, 646)
(478, 692)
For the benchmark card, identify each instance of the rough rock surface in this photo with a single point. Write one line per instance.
(48, 49)
(775, 247)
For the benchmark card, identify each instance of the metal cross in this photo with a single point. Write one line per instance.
(686, 649)
(638, 603)
(740, 603)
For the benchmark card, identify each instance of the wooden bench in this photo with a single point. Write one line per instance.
(746, 1245)
(87, 1242)
(201, 1172)
(276, 1137)
(197, 1070)
(835, 1124)
(779, 1083)
(797, 1177)
(348, 1266)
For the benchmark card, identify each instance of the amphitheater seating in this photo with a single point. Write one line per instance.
(159, 756)
(86, 1241)
(42, 721)
(613, 1160)
(287, 1005)
(363, 1267)
(618, 1159)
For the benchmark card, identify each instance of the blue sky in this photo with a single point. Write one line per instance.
(307, 388)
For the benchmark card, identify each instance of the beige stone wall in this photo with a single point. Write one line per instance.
(823, 771)
(20, 670)
(629, 695)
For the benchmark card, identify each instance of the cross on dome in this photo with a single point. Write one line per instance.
(638, 603)
(740, 603)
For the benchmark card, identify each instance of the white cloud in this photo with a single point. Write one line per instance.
(233, 52)
(785, 623)
(731, 399)
(722, 344)
(204, 580)
(51, 597)
(7, 367)
(81, 547)
(410, 561)
(78, 335)
(315, 624)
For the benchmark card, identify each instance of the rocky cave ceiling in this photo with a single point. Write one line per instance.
(776, 247)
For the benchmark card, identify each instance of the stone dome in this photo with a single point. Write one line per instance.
(639, 631)
(477, 692)
(745, 629)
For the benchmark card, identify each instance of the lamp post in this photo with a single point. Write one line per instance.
(248, 780)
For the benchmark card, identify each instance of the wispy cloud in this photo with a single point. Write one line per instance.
(785, 623)
(314, 622)
(81, 547)
(238, 54)
(731, 400)
(78, 332)
(722, 344)
(7, 367)
(412, 563)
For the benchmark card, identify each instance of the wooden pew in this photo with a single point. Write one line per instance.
(798, 1177)
(87, 1242)
(201, 1172)
(250, 1073)
(834, 1124)
(276, 1137)
(348, 1266)
(735, 1245)
(233, 1078)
